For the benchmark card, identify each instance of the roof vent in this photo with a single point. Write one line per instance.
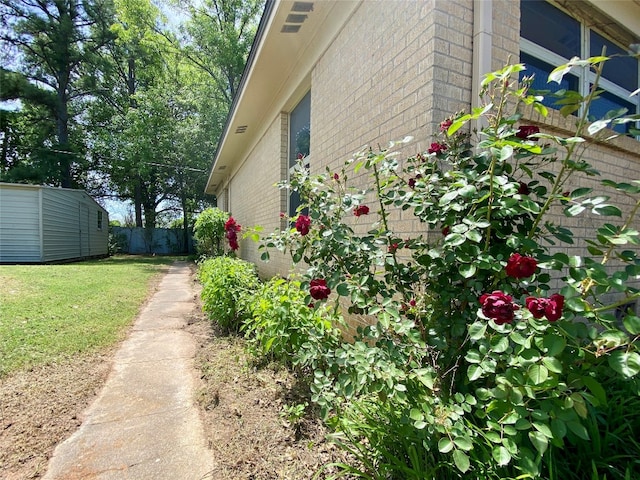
(296, 18)
(241, 129)
(290, 28)
(302, 7)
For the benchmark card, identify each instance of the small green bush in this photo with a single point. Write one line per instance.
(228, 285)
(208, 231)
(282, 322)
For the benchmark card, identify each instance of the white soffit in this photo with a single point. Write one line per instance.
(296, 35)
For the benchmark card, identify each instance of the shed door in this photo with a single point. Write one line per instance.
(84, 231)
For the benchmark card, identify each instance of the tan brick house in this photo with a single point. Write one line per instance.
(327, 77)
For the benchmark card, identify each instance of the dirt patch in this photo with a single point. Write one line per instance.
(251, 432)
(43, 406)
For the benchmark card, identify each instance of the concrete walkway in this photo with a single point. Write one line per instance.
(144, 424)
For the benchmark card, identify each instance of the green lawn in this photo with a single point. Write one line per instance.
(52, 312)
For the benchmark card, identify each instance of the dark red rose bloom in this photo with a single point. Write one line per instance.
(231, 232)
(444, 126)
(412, 181)
(303, 224)
(526, 131)
(283, 215)
(336, 177)
(393, 247)
(536, 306)
(519, 266)
(437, 147)
(412, 303)
(498, 306)
(318, 289)
(546, 307)
(554, 307)
(446, 230)
(523, 189)
(361, 210)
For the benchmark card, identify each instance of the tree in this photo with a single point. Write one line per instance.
(217, 39)
(56, 40)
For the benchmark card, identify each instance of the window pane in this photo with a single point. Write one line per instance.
(622, 70)
(608, 102)
(547, 26)
(541, 71)
(299, 130)
(299, 141)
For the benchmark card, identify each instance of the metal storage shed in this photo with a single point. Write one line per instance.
(46, 224)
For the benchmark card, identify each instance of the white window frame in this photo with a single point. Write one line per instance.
(533, 49)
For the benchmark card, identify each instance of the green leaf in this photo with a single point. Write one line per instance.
(474, 372)
(596, 389)
(461, 460)
(579, 430)
(610, 210)
(553, 364)
(554, 344)
(539, 441)
(543, 428)
(445, 445)
(505, 153)
(538, 374)
(467, 270)
(632, 324)
(463, 442)
(625, 363)
(576, 304)
(342, 289)
(501, 455)
(595, 127)
(477, 330)
(416, 415)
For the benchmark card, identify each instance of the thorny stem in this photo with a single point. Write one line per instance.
(385, 225)
(504, 90)
(619, 303)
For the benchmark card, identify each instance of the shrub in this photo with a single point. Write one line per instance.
(488, 348)
(282, 322)
(228, 285)
(209, 231)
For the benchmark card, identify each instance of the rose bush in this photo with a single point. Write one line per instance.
(486, 348)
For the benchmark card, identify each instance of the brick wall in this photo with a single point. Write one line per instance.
(254, 200)
(397, 69)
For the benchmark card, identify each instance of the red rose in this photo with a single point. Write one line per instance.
(412, 181)
(498, 306)
(361, 210)
(519, 266)
(546, 307)
(526, 131)
(536, 306)
(303, 223)
(318, 289)
(393, 247)
(336, 177)
(232, 228)
(444, 126)
(554, 307)
(446, 230)
(523, 189)
(437, 148)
